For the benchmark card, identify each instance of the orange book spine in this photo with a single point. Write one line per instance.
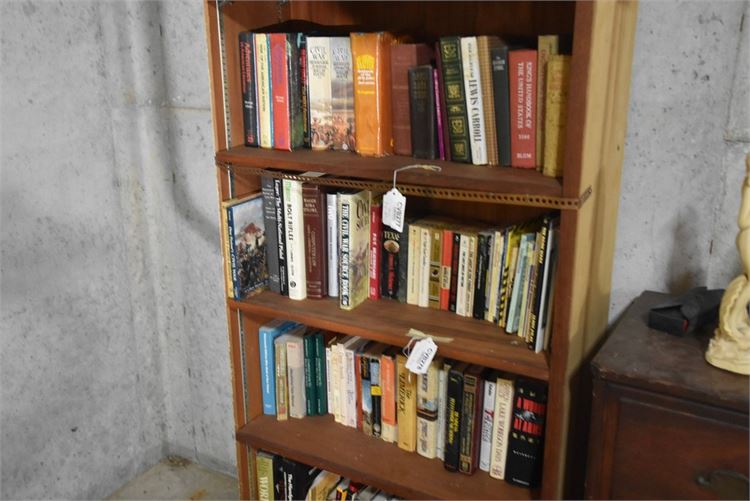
(388, 402)
(371, 56)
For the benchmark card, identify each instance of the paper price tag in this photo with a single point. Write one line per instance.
(394, 208)
(421, 355)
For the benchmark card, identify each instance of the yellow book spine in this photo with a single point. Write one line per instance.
(264, 465)
(558, 82)
(547, 46)
(406, 406)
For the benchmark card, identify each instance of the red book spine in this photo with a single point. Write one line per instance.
(523, 108)
(376, 246)
(280, 92)
(446, 261)
(442, 115)
(403, 57)
(314, 223)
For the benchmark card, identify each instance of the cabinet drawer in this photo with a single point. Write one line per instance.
(663, 445)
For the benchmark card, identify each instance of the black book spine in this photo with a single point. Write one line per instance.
(279, 481)
(303, 89)
(534, 320)
(422, 112)
(471, 421)
(249, 96)
(480, 279)
(377, 393)
(272, 246)
(454, 271)
(403, 264)
(278, 195)
(526, 441)
(501, 93)
(455, 99)
(296, 118)
(454, 406)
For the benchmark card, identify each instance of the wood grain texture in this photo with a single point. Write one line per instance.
(388, 321)
(319, 441)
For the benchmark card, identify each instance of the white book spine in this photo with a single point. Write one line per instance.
(329, 394)
(471, 270)
(263, 83)
(295, 240)
(319, 73)
(501, 427)
(424, 267)
(336, 382)
(488, 418)
(350, 402)
(295, 359)
(333, 244)
(442, 402)
(474, 105)
(412, 282)
(463, 254)
(494, 277)
(546, 279)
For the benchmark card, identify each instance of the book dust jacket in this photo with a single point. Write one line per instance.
(249, 245)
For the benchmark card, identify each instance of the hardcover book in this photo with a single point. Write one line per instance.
(455, 99)
(556, 114)
(247, 239)
(320, 100)
(295, 359)
(272, 243)
(264, 468)
(454, 408)
(321, 375)
(501, 93)
(263, 81)
(522, 64)
(547, 46)
(311, 403)
(266, 335)
(403, 57)
(315, 223)
(406, 406)
(304, 98)
(281, 81)
(282, 383)
(371, 53)
(278, 195)
(442, 405)
(438, 113)
(427, 410)
(471, 414)
(342, 94)
(525, 445)
(295, 239)
(474, 99)
(422, 112)
(485, 44)
(249, 96)
(501, 426)
(332, 234)
(354, 235)
(443, 117)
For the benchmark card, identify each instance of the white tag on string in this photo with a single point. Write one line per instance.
(394, 208)
(421, 355)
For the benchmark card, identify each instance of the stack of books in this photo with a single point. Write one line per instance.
(471, 99)
(467, 416)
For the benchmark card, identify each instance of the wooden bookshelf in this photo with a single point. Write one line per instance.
(587, 197)
(323, 443)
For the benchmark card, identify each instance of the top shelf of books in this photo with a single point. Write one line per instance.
(486, 179)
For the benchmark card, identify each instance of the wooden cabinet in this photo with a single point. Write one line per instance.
(665, 423)
(586, 196)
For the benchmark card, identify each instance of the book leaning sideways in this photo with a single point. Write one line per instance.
(246, 239)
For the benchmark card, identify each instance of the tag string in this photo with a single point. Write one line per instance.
(434, 168)
(406, 350)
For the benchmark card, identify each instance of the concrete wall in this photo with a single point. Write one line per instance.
(114, 346)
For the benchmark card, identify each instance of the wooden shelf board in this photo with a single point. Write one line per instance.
(504, 180)
(319, 441)
(388, 321)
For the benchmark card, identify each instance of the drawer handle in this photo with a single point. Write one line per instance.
(727, 484)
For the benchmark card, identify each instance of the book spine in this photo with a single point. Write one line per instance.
(407, 406)
(350, 396)
(344, 211)
(309, 364)
(294, 47)
(442, 402)
(427, 412)
(425, 246)
(249, 97)
(358, 406)
(436, 255)
(528, 279)
(480, 276)
(488, 418)
(295, 239)
(470, 423)
(329, 388)
(356, 271)
(463, 272)
(415, 242)
(440, 89)
(371, 54)
(263, 81)
(509, 273)
(342, 94)
(474, 106)
(546, 285)
(333, 243)
(556, 114)
(446, 258)
(535, 288)
(422, 112)
(267, 373)
(233, 254)
(227, 241)
(547, 46)
(454, 407)
(455, 99)
(438, 115)
(388, 401)
(522, 65)
(376, 246)
(304, 96)
(500, 427)
(501, 92)
(523, 465)
(455, 260)
(365, 408)
(319, 72)
(403, 57)
(264, 468)
(315, 223)
(391, 254)
(280, 92)
(494, 277)
(272, 245)
(484, 45)
(403, 264)
(282, 389)
(321, 375)
(376, 396)
(278, 196)
(295, 359)
(337, 382)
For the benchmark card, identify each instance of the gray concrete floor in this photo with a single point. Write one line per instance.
(178, 478)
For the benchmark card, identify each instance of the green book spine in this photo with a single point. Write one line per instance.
(321, 401)
(455, 99)
(310, 393)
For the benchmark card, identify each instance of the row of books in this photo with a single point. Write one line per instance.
(472, 99)
(279, 478)
(467, 416)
